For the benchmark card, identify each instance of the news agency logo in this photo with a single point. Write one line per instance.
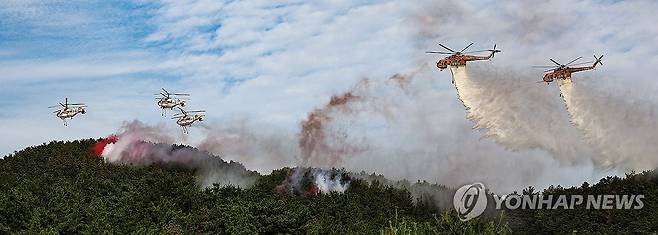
(470, 201)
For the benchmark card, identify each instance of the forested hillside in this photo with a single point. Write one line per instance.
(61, 187)
(588, 221)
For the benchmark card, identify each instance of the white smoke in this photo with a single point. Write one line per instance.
(142, 145)
(124, 149)
(625, 132)
(305, 181)
(328, 182)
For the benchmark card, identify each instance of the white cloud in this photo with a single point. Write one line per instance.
(37, 70)
(272, 62)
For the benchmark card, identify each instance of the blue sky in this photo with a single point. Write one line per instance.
(51, 29)
(272, 62)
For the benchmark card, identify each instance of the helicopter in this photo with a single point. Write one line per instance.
(564, 71)
(187, 118)
(459, 58)
(69, 111)
(170, 100)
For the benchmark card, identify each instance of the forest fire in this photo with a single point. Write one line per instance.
(141, 145)
(302, 181)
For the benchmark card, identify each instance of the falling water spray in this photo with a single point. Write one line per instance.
(626, 133)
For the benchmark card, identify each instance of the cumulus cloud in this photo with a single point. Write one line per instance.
(273, 62)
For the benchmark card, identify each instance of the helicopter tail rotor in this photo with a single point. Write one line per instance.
(597, 60)
(494, 51)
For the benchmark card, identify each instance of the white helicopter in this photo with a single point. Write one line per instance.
(69, 110)
(170, 100)
(187, 118)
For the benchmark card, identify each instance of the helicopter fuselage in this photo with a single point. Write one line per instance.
(459, 60)
(169, 103)
(70, 112)
(189, 120)
(564, 73)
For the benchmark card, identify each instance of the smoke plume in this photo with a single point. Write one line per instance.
(625, 132)
(304, 181)
(406, 127)
(260, 148)
(315, 143)
(323, 141)
(439, 195)
(140, 145)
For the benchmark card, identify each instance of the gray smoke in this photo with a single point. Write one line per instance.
(439, 195)
(260, 148)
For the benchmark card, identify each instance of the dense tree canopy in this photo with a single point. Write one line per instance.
(60, 187)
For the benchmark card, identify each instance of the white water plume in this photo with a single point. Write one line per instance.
(626, 133)
(518, 113)
(412, 130)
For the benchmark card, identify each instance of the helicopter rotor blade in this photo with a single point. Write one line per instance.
(438, 52)
(574, 60)
(445, 47)
(558, 64)
(469, 45)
